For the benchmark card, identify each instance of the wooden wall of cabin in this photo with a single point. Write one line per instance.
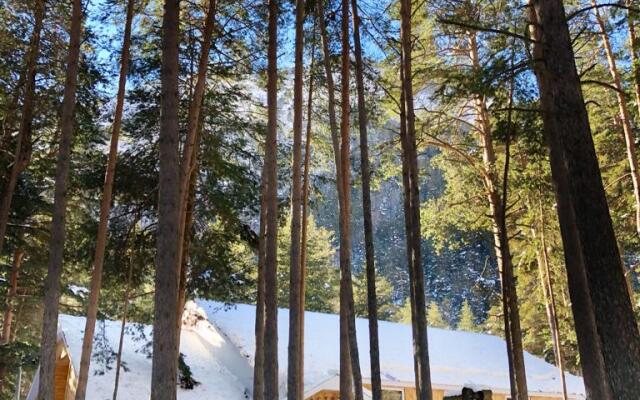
(325, 395)
(410, 394)
(65, 377)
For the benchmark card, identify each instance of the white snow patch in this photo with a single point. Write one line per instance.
(79, 291)
(222, 375)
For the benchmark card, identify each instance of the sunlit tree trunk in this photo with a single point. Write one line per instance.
(347, 308)
(189, 165)
(305, 209)
(513, 333)
(165, 340)
(258, 368)
(587, 231)
(57, 235)
(346, 382)
(372, 302)
(22, 155)
(105, 210)
(125, 311)
(18, 254)
(295, 352)
(271, 219)
(406, 186)
(633, 51)
(549, 299)
(625, 117)
(410, 157)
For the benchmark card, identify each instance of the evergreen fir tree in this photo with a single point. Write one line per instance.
(467, 322)
(434, 316)
(403, 315)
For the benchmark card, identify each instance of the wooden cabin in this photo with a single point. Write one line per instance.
(218, 342)
(329, 390)
(65, 374)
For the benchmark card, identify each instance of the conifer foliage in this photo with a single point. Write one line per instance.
(430, 163)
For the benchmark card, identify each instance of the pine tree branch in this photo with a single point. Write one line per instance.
(603, 5)
(480, 28)
(600, 83)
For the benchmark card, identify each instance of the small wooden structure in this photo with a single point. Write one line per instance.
(65, 374)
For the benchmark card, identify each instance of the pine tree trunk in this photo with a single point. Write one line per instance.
(258, 368)
(625, 117)
(11, 294)
(406, 186)
(410, 157)
(295, 352)
(125, 311)
(372, 301)
(22, 155)
(633, 51)
(188, 164)
(513, 332)
(57, 235)
(346, 383)
(549, 299)
(165, 346)
(588, 234)
(105, 210)
(271, 219)
(186, 244)
(305, 210)
(346, 283)
(589, 345)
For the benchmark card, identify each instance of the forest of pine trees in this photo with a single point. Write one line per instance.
(447, 164)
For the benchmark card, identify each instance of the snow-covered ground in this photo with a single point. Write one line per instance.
(456, 358)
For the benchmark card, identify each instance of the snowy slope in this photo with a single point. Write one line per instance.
(456, 358)
(216, 363)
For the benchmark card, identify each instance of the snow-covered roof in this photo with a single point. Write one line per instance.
(457, 358)
(215, 362)
(219, 344)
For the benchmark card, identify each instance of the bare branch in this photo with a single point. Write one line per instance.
(603, 5)
(485, 29)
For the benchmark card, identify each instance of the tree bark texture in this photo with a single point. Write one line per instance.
(346, 282)
(295, 376)
(125, 311)
(632, 17)
(165, 341)
(549, 298)
(305, 209)
(365, 171)
(189, 163)
(513, 332)
(346, 382)
(105, 210)
(587, 231)
(18, 255)
(271, 229)
(415, 260)
(57, 235)
(258, 368)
